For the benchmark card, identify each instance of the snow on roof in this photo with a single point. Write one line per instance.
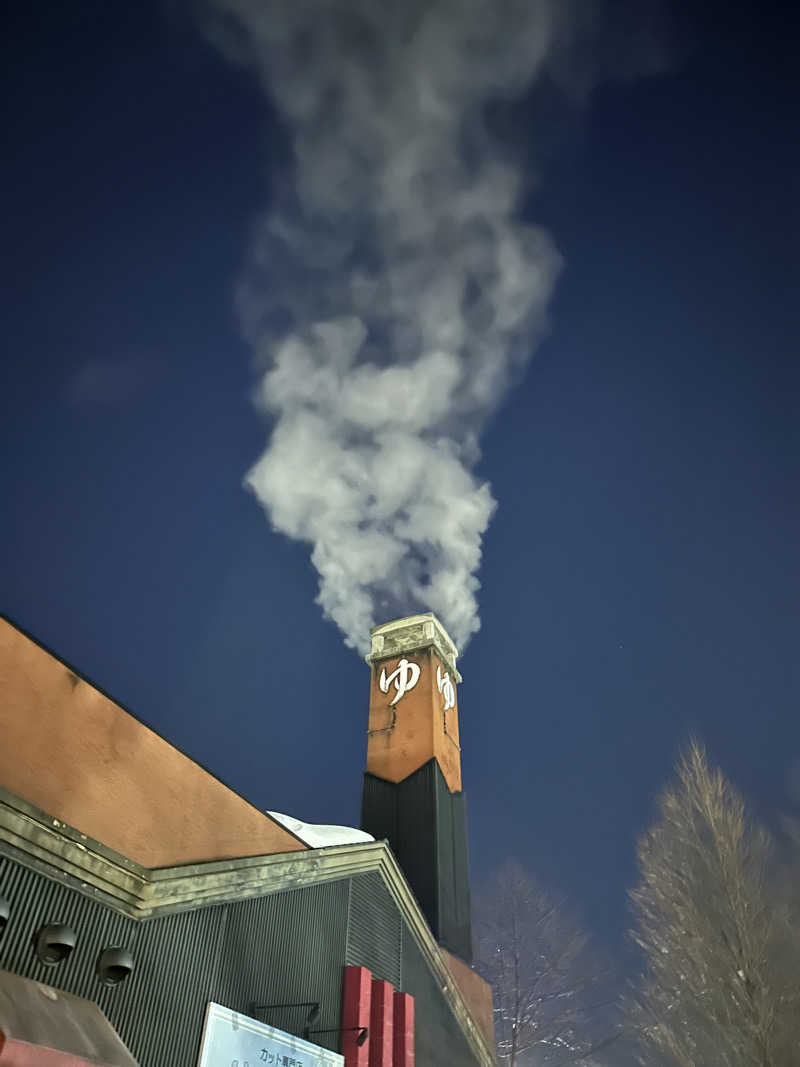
(316, 835)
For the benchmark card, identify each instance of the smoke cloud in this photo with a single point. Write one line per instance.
(392, 294)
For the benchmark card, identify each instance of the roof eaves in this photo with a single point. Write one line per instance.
(45, 844)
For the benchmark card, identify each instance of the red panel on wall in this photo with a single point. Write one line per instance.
(403, 1030)
(380, 1027)
(356, 1002)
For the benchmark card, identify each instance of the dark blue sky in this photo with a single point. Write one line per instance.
(640, 577)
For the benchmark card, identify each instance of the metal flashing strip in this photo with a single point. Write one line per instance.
(49, 846)
(53, 848)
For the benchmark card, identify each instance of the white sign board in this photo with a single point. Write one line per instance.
(231, 1039)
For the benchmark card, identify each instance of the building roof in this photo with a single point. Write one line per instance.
(123, 816)
(79, 755)
(48, 845)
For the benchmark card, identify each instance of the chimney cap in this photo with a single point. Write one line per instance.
(413, 634)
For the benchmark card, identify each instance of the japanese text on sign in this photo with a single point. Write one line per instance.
(446, 688)
(231, 1039)
(405, 676)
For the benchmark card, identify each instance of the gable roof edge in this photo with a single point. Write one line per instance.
(35, 839)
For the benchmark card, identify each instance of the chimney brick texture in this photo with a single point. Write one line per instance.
(412, 786)
(413, 706)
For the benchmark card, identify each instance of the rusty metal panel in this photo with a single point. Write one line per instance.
(35, 1018)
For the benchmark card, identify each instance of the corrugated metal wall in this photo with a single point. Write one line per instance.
(379, 940)
(438, 1039)
(425, 825)
(404, 814)
(286, 947)
(456, 913)
(158, 1011)
(375, 930)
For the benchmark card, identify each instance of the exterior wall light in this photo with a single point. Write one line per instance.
(311, 1018)
(363, 1032)
(54, 943)
(114, 965)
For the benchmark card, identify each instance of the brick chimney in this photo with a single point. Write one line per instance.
(412, 786)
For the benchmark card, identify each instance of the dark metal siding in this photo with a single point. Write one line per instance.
(379, 808)
(417, 840)
(285, 947)
(374, 930)
(176, 960)
(462, 912)
(438, 1039)
(379, 940)
(289, 946)
(425, 825)
(158, 1010)
(455, 930)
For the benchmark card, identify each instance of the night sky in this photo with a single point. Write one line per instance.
(640, 576)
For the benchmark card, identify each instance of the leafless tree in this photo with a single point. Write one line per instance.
(548, 983)
(719, 987)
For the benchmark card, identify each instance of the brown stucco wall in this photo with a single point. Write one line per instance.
(401, 743)
(476, 992)
(74, 753)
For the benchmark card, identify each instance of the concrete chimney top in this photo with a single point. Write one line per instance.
(413, 634)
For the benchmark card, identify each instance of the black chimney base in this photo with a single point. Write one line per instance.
(426, 827)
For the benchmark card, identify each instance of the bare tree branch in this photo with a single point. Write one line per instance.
(712, 929)
(542, 971)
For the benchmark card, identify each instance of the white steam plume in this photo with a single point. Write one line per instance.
(392, 295)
